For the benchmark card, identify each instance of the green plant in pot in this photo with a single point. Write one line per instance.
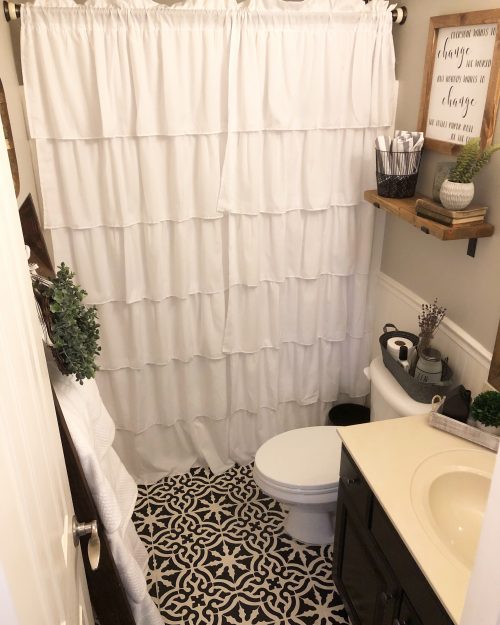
(485, 411)
(71, 325)
(457, 190)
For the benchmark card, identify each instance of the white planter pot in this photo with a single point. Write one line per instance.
(490, 429)
(456, 195)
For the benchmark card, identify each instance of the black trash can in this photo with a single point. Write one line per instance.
(349, 414)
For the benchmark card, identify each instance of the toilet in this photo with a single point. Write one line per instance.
(300, 468)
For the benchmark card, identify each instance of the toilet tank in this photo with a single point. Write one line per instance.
(388, 398)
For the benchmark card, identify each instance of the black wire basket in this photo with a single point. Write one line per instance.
(397, 173)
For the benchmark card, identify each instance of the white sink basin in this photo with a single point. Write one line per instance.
(449, 492)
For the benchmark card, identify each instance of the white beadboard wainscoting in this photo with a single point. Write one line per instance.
(398, 305)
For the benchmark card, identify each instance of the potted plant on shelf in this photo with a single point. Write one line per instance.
(485, 412)
(72, 328)
(457, 190)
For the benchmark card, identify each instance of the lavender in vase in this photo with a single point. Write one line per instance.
(429, 321)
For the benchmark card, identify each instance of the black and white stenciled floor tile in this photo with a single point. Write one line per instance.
(219, 556)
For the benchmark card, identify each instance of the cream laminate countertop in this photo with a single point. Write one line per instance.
(387, 454)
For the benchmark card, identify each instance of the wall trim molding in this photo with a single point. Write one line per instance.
(453, 331)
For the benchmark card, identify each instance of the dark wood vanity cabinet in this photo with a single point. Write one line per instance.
(377, 577)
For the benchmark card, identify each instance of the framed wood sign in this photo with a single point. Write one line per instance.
(494, 375)
(461, 85)
(7, 131)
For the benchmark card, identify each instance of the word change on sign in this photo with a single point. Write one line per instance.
(462, 67)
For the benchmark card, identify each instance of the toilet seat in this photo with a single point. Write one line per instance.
(306, 460)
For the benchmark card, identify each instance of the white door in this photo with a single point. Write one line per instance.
(42, 581)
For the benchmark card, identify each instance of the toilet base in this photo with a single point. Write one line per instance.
(309, 524)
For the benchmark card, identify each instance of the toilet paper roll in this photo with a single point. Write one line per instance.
(394, 343)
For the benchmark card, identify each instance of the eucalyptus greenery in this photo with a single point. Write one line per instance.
(470, 160)
(486, 408)
(74, 330)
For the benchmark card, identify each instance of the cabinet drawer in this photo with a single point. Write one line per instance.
(408, 573)
(358, 493)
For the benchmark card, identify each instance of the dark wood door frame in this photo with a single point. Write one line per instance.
(107, 594)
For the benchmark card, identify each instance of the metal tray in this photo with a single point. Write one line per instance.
(419, 391)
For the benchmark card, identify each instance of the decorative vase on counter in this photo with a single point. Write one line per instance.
(456, 195)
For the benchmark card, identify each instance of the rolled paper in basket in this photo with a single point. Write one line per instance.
(395, 343)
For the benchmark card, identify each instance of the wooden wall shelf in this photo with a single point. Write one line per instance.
(405, 209)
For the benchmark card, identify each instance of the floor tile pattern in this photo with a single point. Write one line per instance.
(219, 556)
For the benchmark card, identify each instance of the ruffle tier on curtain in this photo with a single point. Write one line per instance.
(202, 171)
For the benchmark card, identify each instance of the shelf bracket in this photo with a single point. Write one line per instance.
(471, 248)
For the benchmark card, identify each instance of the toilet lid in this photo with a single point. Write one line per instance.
(307, 458)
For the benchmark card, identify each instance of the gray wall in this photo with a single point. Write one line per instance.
(469, 288)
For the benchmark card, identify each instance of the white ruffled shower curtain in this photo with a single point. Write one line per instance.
(202, 171)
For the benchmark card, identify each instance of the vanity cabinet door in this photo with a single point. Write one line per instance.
(417, 589)
(356, 488)
(407, 615)
(376, 575)
(366, 584)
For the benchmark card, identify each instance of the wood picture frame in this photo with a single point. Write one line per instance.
(9, 140)
(33, 237)
(489, 114)
(106, 590)
(494, 375)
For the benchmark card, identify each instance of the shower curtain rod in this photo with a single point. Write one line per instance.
(12, 11)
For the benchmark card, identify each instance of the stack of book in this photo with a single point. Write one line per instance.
(474, 214)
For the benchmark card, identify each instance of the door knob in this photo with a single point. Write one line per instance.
(94, 544)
